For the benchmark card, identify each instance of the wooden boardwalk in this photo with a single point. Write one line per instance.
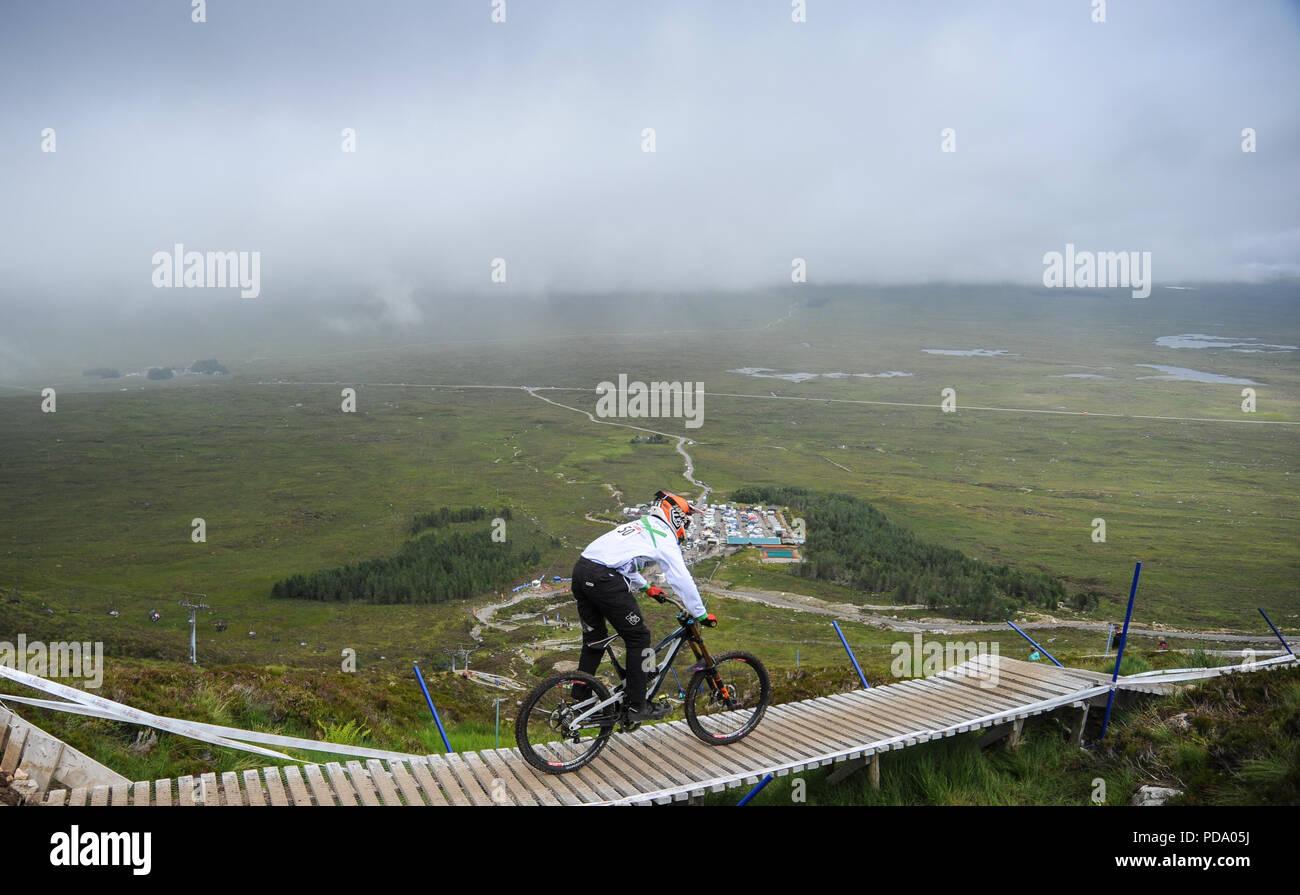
(657, 764)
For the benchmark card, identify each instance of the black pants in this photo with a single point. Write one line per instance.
(602, 596)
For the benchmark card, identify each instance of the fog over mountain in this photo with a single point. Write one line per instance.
(523, 141)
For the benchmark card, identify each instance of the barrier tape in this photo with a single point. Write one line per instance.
(83, 703)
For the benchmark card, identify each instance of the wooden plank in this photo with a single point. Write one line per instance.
(41, 754)
(1007, 699)
(494, 786)
(574, 780)
(935, 719)
(1023, 687)
(858, 715)
(405, 783)
(185, 791)
(647, 771)
(428, 785)
(920, 700)
(477, 794)
(522, 793)
(625, 759)
(780, 735)
(669, 763)
(969, 706)
(297, 789)
(99, 797)
(13, 749)
(906, 706)
(77, 798)
(1045, 687)
(757, 753)
(811, 733)
(56, 797)
(541, 793)
(820, 736)
(379, 776)
(253, 790)
(162, 790)
(659, 771)
(855, 732)
(339, 781)
(784, 738)
(675, 746)
(320, 790)
(739, 760)
(208, 791)
(230, 788)
(579, 792)
(611, 772)
(275, 788)
(119, 794)
(535, 778)
(450, 785)
(362, 783)
(893, 727)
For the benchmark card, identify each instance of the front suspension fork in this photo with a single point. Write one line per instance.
(705, 662)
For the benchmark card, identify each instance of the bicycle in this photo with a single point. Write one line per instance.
(568, 718)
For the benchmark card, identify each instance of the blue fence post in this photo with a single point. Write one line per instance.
(429, 699)
(1036, 646)
(852, 658)
(753, 792)
(1110, 634)
(1119, 656)
(1275, 631)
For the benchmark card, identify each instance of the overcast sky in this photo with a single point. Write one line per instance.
(523, 140)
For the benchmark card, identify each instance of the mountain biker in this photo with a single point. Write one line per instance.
(604, 577)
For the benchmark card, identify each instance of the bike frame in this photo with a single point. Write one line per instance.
(673, 642)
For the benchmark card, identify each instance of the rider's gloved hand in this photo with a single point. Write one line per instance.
(655, 592)
(709, 619)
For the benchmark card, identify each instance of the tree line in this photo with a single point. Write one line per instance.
(850, 542)
(444, 516)
(446, 564)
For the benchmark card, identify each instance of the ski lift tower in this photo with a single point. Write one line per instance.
(194, 621)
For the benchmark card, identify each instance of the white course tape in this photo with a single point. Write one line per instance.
(208, 733)
(233, 733)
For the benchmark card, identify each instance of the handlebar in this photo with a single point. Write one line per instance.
(684, 618)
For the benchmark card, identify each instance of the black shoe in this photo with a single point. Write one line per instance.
(651, 711)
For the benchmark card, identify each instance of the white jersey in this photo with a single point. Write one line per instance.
(629, 547)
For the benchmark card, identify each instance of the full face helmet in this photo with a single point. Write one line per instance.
(676, 511)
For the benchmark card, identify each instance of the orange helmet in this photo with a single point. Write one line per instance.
(676, 511)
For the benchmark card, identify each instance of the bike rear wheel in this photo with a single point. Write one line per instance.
(725, 703)
(544, 732)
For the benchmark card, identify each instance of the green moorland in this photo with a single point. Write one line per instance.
(98, 498)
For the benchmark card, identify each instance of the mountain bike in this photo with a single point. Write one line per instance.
(568, 718)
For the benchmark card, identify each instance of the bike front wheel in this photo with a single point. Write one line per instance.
(725, 703)
(548, 732)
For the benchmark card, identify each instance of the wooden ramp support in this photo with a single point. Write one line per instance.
(40, 761)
